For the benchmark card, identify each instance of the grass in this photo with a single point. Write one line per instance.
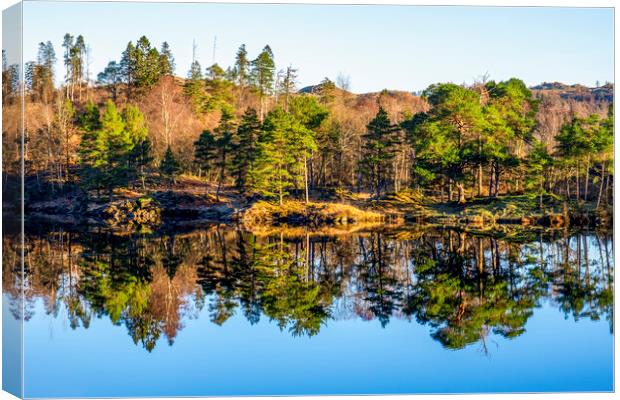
(313, 214)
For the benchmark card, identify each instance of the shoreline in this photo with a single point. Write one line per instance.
(180, 210)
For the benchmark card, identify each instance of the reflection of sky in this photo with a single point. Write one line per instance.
(380, 47)
(350, 356)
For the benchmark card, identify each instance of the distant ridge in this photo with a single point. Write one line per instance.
(577, 92)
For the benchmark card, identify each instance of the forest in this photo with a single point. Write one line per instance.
(247, 133)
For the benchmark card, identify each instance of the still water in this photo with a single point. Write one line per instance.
(220, 311)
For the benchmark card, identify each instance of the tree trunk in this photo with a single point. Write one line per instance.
(221, 178)
(577, 191)
(461, 192)
(480, 179)
(540, 204)
(497, 175)
(600, 188)
(587, 181)
(491, 175)
(306, 178)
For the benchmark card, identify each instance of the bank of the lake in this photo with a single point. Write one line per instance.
(131, 210)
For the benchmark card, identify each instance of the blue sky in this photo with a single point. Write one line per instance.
(393, 47)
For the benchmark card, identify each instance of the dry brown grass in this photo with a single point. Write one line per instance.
(295, 213)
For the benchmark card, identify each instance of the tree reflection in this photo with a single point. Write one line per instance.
(463, 287)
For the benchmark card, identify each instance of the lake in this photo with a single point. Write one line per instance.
(221, 311)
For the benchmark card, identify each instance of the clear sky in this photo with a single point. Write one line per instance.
(393, 47)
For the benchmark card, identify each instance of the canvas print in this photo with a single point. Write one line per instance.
(205, 199)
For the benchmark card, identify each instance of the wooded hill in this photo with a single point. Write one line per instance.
(249, 127)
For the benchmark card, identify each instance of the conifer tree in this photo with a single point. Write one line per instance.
(205, 152)
(140, 156)
(262, 76)
(270, 175)
(128, 67)
(241, 68)
(169, 167)
(194, 87)
(248, 133)
(378, 151)
(287, 85)
(219, 90)
(308, 116)
(119, 146)
(223, 144)
(451, 134)
(166, 60)
(89, 119)
(282, 149)
(105, 150)
(148, 64)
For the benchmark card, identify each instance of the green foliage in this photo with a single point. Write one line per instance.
(538, 162)
(378, 151)
(262, 73)
(245, 148)
(219, 91)
(140, 157)
(142, 65)
(115, 147)
(241, 69)
(205, 151)
(307, 110)
(279, 163)
(194, 87)
(224, 145)
(166, 60)
(169, 166)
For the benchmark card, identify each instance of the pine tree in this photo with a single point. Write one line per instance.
(194, 87)
(308, 116)
(67, 43)
(378, 151)
(219, 90)
(451, 134)
(105, 149)
(283, 152)
(148, 64)
(240, 70)
(119, 147)
(169, 167)
(538, 162)
(287, 85)
(271, 175)
(248, 133)
(93, 160)
(140, 157)
(128, 67)
(77, 62)
(166, 60)
(40, 75)
(205, 152)
(223, 144)
(89, 119)
(93, 150)
(262, 76)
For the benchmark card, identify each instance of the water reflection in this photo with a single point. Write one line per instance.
(462, 286)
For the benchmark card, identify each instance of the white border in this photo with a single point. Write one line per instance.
(506, 3)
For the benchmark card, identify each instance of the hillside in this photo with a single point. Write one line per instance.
(577, 92)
